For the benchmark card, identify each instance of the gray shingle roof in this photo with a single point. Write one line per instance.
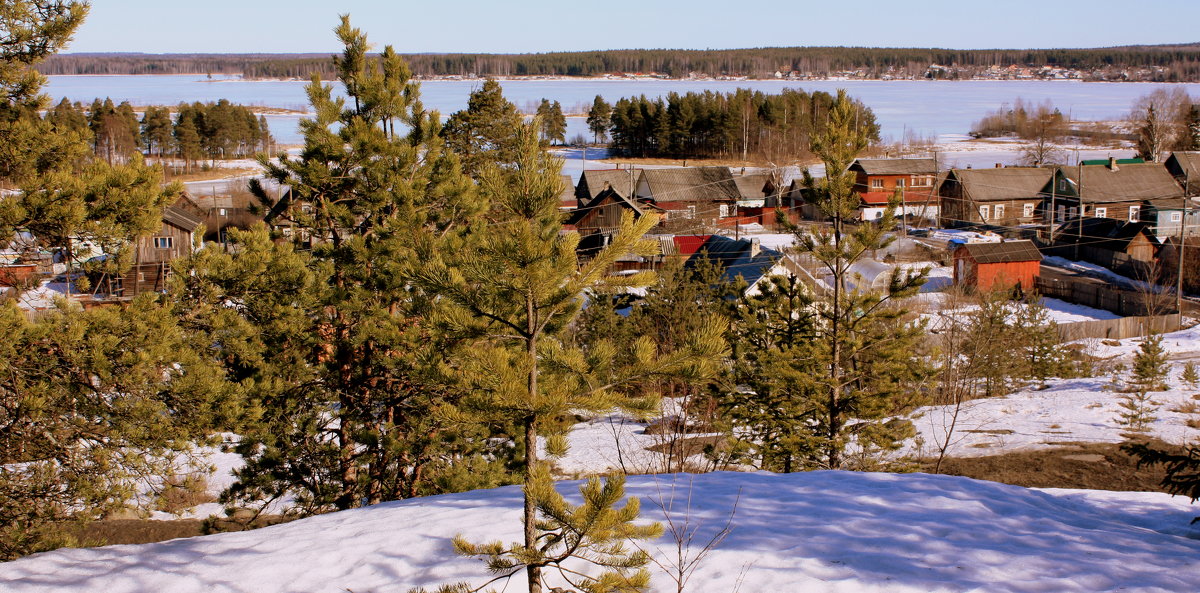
(1008, 183)
(751, 186)
(691, 184)
(895, 166)
(592, 182)
(1143, 181)
(178, 215)
(1006, 252)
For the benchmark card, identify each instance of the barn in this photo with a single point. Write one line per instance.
(988, 266)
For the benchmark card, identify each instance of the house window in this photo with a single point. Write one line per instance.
(691, 212)
(999, 211)
(1101, 212)
(1133, 213)
(1061, 214)
(164, 242)
(724, 210)
(1176, 216)
(983, 212)
(876, 184)
(900, 183)
(1062, 185)
(1072, 212)
(1027, 211)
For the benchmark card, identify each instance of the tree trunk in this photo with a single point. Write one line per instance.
(534, 573)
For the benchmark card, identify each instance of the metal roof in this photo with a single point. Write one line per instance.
(1006, 252)
(1125, 183)
(895, 166)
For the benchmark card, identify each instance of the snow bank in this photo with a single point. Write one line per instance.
(815, 532)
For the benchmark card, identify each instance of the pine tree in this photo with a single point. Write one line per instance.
(599, 118)
(516, 294)
(1150, 365)
(91, 402)
(330, 336)
(556, 129)
(1190, 376)
(1149, 373)
(484, 131)
(868, 353)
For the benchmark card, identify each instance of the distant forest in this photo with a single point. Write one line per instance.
(1165, 63)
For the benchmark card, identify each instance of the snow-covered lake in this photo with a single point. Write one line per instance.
(928, 108)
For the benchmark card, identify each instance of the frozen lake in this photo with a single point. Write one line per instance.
(928, 108)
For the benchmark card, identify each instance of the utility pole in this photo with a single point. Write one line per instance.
(1179, 252)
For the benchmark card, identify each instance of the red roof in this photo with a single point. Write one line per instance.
(690, 244)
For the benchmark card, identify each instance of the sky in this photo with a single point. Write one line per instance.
(519, 26)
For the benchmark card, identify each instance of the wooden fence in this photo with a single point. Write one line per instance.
(1119, 329)
(1099, 295)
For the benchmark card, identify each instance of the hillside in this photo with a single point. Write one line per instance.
(815, 532)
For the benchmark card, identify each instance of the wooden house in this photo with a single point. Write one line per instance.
(877, 180)
(994, 266)
(154, 253)
(691, 197)
(594, 181)
(566, 199)
(754, 188)
(599, 220)
(1117, 190)
(743, 260)
(1125, 247)
(1004, 196)
(1184, 166)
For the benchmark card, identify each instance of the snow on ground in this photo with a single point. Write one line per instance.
(939, 307)
(1067, 411)
(816, 532)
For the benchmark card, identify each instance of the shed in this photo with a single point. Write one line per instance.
(988, 266)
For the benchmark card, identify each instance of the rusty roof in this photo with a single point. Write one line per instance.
(1005, 252)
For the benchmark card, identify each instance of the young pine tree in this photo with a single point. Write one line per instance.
(867, 352)
(1149, 374)
(515, 295)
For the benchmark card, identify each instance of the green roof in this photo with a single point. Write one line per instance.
(1119, 161)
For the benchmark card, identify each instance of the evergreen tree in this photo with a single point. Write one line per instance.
(330, 338)
(599, 119)
(517, 293)
(556, 129)
(156, 130)
(775, 370)
(867, 352)
(1150, 365)
(544, 118)
(484, 131)
(1190, 376)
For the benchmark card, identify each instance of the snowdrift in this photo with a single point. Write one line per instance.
(813, 532)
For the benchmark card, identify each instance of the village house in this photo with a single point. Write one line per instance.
(1003, 196)
(877, 180)
(594, 181)
(566, 199)
(1125, 247)
(983, 267)
(1184, 166)
(599, 220)
(692, 198)
(743, 260)
(153, 254)
(1120, 190)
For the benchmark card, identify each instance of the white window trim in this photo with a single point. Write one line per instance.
(1027, 210)
(1101, 212)
(998, 211)
(876, 184)
(164, 242)
(1176, 216)
(1134, 212)
(984, 212)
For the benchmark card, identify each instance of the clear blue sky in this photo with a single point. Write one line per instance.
(498, 26)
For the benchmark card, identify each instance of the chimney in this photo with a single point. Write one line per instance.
(755, 247)
(1112, 163)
